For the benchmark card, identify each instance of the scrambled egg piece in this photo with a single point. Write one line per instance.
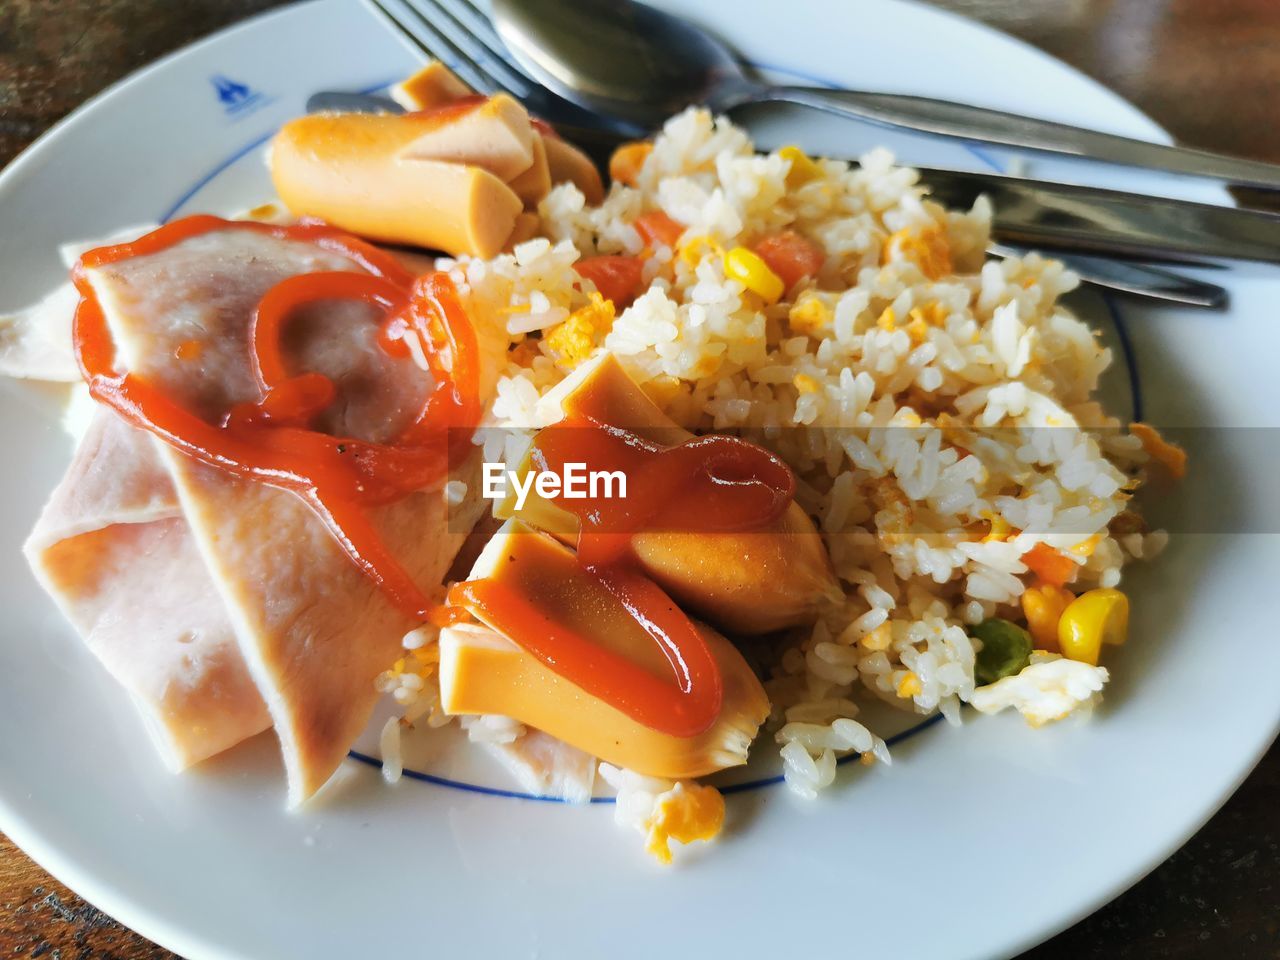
(693, 250)
(809, 314)
(805, 383)
(575, 338)
(687, 812)
(664, 810)
(1169, 455)
(1047, 689)
(927, 247)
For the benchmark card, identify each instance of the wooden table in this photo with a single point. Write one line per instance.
(1208, 70)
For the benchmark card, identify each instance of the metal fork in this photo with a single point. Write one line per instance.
(458, 33)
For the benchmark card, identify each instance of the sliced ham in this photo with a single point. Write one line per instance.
(314, 632)
(113, 549)
(35, 343)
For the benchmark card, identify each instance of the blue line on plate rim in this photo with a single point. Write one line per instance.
(1131, 365)
(239, 154)
(519, 795)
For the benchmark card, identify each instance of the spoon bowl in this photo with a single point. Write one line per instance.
(624, 59)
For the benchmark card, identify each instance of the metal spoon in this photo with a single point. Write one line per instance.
(631, 61)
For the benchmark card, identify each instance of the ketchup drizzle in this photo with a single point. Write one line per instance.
(270, 441)
(706, 484)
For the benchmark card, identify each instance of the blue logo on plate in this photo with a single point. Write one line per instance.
(236, 98)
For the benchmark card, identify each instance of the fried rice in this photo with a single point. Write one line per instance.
(938, 408)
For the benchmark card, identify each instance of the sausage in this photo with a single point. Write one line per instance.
(526, 228)
(535, 183)
(570, 165)
(481, 671)
(745, 583)
(492, 134)
(350, 170)
(435, 85)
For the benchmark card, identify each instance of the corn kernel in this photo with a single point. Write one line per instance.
(1090, 620)
(753, 273)
(888, 321)
(1043, 604)
(802, 168)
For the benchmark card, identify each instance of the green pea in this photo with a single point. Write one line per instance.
(1006, 649)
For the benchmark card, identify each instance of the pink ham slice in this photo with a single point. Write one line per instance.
(35, 343)
(114, 550)
(313, 631)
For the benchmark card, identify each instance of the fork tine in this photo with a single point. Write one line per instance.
(477, 37)
(490, 74)
(419, 31)
(482, 29)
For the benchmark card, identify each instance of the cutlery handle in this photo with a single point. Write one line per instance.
(1066, 217)
(983, 125)
(1134, 279)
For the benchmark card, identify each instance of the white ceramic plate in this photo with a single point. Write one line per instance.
(978, 842)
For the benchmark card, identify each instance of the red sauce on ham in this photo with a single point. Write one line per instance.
(270, 441)
(706, 484)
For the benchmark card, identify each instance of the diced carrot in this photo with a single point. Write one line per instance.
(616, 277)
(1049, 565)
(1043, 603)
(656, 227)
(625, 164)
(790, 256)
